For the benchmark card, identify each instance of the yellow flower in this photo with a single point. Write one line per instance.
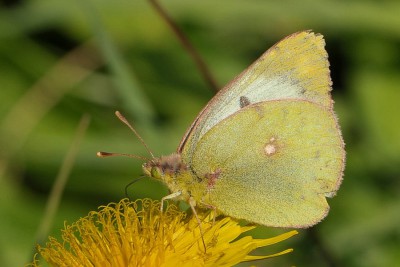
(139, 234)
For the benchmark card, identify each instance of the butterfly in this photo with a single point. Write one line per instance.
(267, 148)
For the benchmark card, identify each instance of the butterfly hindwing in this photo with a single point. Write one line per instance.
(286, 156)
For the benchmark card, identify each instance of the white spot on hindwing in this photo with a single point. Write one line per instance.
(270, 147)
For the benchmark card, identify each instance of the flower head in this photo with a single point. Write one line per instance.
(139, 234)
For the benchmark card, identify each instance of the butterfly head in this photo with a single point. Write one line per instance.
(159, 168)
(152, 169)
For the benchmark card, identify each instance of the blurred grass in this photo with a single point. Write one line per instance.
(141, 69)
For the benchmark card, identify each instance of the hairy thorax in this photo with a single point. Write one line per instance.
(178, 177)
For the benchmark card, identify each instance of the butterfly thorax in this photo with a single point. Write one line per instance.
(177, 176)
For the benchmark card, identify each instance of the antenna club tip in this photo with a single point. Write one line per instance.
(101, 154)
(122, 118)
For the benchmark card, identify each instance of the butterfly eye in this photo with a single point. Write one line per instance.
(156, 172)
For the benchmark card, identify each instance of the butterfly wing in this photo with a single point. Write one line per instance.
(276, 162)
(295, 68)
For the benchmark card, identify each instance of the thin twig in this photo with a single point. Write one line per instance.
(187, 45)
(56, 193)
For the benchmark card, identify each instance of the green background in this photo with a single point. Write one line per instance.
(134, 63)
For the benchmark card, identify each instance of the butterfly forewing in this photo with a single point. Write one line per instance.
(295, 68)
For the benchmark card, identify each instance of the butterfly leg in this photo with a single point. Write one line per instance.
(192, 204)
(171, 196)
(213, 208)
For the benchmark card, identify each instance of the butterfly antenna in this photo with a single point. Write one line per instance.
(103, 154)
(125, 121)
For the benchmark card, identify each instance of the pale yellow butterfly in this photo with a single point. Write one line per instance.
(267, 148)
